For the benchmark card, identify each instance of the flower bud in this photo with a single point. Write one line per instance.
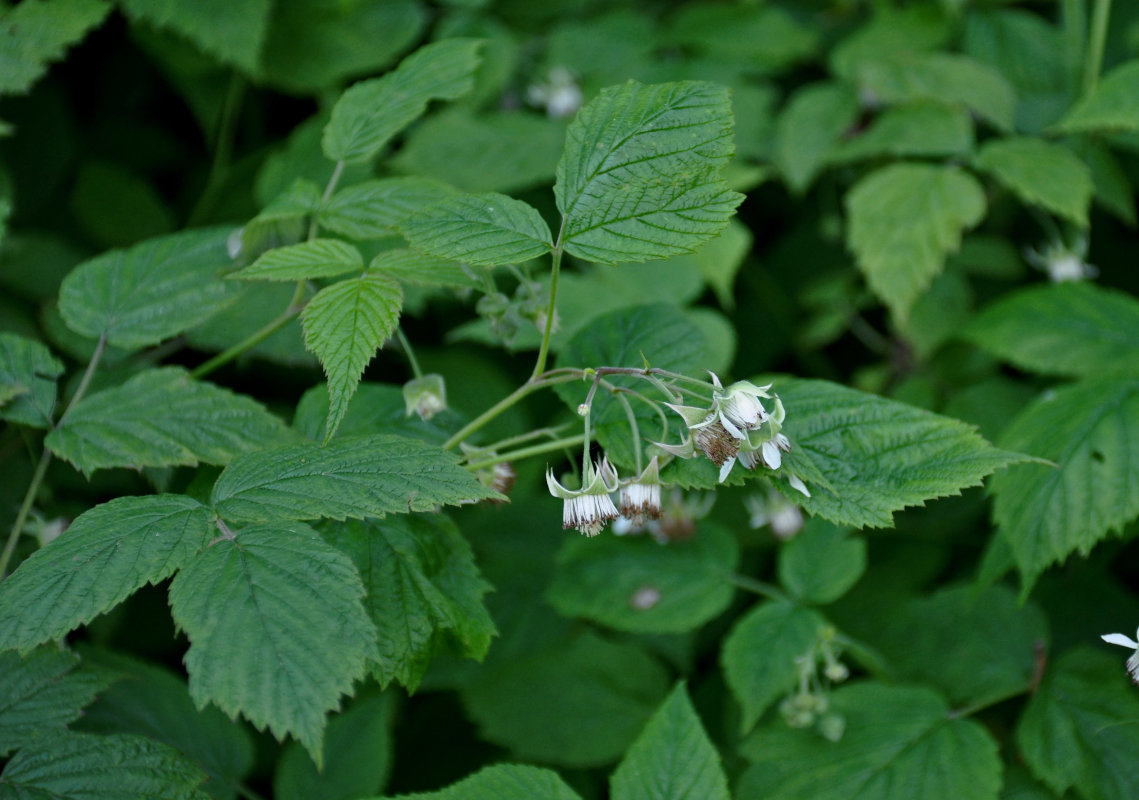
(425, 396)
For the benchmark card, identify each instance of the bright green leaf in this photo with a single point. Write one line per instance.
(1040, 173)
(903, 220)
(672, 759)
(318, 258)
(922, 129)
(814, 119)
(150, 292)
(1090, 430)
(412, 266)
(36, 32)
(345, 324)
(579, 702)
(632, 583)
(162, 417)
(1081, 727)
(231, 30)
(891, 32)
(66, 765)
(821, 563)
(899, 742)
(357, 477)
(1072, 329)
(103, 557)
(371, 112)
(41, 693)
(276, 627)
(27, 381)
(879, 456)
(424, 592)
(502, 781)
(1113, 105)
(759, 654)
(641, 177)
(154, 702)
(357, 756)
(483, 229)
(374, 209)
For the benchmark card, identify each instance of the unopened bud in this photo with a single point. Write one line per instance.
(425, 396)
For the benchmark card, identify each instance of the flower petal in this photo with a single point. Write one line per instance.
(1120, 639)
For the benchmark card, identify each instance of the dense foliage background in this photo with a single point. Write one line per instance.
(227, 558)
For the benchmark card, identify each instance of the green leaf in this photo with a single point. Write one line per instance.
(41, 693)
(814, 119)
(375, 408)
(160, 418)
(1090, 430)
(978, 647)
(632, 583)
(899, 742)
(641, 177)
(374, 209)
(276, 627)
(720, 260)
(579, 702)
(1079, 729)
(412, 266)
(483, 229)
(318, 258)
(1112, 106)
(759, 655)
(672, 759)
(764, 38)
(492, 151)
(27, 381)
(891, 32)
(424, 592)
(67, 764)
(345, 324)
(945, 77)
(503, 781)
(821, 563)
(659, 333)
(1072, 329)
(103, 557)
(116, 207)
(922, 129)
(231, 31)
(1112, 185)
(357, 477)
(1040, 173)
(879, 456)
(358, 757)
(371, 112)
(903, 220)
(37, 32)
(254, 307)
(150, 292)
(154, 702)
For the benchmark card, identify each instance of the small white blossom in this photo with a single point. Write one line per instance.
(1126, 641)
(1063, 263)
(590, 507)
(640, 496)
(560, 94)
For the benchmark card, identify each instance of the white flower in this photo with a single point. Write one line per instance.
(772, 508)
(1125, 641)
(590, 507)
(560, 95)
(1061, 262)
(640, 496)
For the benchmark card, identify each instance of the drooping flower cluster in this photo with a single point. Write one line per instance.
(737, 427)
(589, 508)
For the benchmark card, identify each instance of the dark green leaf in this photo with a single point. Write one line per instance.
(318, 258)
(27, 381)
(921, 129)
(503, 781)
(1040, 173)
(483, 229)
(411, 266)
(821, 563)
(33, 34)
(373, 209)
(276, 627)
(814, 119)
(1113, 105)
(233, 31)
(375, 408)
(106, 554)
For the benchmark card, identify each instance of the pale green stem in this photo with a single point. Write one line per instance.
(510, 441)
(503, 405)
(526, 452)
(329, 188)
(1101, 12)
(634, 429)
(45, 460)
(555, 268)
(254, 339)
(761, 588)
(412, 361)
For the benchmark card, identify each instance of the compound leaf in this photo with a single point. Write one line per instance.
(356, 476)
(1040, 173)
(879, 456)
(373, 209)
(160, 418)
(641, 176)
(318, 258)
(903, 221)
(424, 591)
(104, 556)
(371, 112)
(1074, 329)
(484, 229)
(1090, 430)
(276, 626)
(672, 759)
(149, 292)
(344, 324)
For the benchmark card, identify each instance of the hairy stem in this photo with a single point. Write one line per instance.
(555, 268)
